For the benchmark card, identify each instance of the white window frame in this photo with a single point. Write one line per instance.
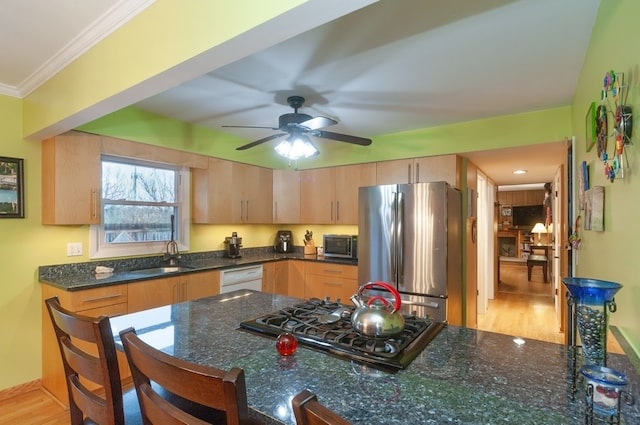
(99, 249)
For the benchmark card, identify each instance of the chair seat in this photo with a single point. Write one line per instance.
(536, 259)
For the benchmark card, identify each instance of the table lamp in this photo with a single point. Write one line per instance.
(539, 228)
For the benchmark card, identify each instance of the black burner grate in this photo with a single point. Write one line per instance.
(339, 338)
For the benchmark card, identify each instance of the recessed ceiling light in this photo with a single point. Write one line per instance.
(520, 172)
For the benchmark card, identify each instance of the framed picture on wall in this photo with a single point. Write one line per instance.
(590, 126)
(11, 188)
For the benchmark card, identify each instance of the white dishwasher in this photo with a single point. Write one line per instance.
(249, 277)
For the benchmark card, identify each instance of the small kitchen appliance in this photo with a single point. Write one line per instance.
(233, 245)
(284, 241)
(340, 246)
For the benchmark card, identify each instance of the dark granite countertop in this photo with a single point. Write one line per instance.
(79, 276)
(464, 376)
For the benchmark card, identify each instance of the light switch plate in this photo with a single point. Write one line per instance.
(74, 249)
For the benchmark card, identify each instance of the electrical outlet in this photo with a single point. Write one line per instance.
(74, 249)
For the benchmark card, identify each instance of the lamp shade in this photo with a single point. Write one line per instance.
(296, 147)
(539, 228)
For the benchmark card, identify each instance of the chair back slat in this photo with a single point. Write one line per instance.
(221, 393)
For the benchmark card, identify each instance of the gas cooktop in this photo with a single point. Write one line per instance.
(304, 320)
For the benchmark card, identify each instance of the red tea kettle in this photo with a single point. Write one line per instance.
(377, 317)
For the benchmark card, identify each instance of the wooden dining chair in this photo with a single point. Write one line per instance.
(308, 411)
(88, 355)
(174, 391)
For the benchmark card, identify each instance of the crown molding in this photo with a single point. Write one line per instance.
(118, 15)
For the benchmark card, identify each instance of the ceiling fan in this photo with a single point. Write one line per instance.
(297, 125)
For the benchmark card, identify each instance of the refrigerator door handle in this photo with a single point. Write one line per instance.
(431, 304)
(399, 242)
(392, 242)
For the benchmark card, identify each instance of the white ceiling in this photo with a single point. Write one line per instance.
(386, 68)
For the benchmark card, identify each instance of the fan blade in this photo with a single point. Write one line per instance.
(343, 138)
(249, 126)
(318, 122)
(260, 141)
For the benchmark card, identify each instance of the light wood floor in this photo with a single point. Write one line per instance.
(521, 308)
(526, 309)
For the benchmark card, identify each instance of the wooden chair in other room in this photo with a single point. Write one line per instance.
(89, 355)
(174, 391)
(308, 411)
(537, 260)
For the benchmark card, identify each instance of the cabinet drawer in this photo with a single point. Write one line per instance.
(330, 269)
(98, 297)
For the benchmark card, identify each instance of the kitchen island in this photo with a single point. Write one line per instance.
(463, 376)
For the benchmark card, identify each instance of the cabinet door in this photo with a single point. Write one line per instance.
(154, 293)
(281, 277)
(268, 270)
(213, 193)
(317, 196)
(286, 196)
(437, 168)
(71, 186)
(394, 172)
(201, 285)
(295, 278)
(256, 187)
(348, 179)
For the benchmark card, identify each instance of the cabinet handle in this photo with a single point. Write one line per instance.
(337, 210)
(104, 297)
(331, 211)
(336, 284)
(247, 215)
(333, 271)
(409, 173)
(276, 210)
(417, 173)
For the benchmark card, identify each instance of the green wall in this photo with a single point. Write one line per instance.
(613, 254)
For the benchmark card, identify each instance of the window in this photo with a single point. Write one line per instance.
(139, 201)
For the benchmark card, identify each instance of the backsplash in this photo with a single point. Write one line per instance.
(57, 271)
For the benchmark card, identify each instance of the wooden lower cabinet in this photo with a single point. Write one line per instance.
(110, 301)
(171, 290)
(335, 281)
(295, 278)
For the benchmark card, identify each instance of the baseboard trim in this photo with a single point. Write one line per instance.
(20, 389)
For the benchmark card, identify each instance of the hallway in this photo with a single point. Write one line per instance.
(526, 309)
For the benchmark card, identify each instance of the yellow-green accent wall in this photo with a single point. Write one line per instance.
(613, 254)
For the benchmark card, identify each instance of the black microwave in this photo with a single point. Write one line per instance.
(340, 246)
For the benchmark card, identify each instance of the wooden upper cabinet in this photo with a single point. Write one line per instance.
(253, 188)
(317, 196)
(330, 195)
(286, 196)
(231, 193)
(71, 179)
(420, 170)
(348, 179)
(394, 172)
(212, 193)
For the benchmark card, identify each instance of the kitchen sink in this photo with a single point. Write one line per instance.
(160, 270)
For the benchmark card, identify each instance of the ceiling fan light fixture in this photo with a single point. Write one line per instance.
(296, 147)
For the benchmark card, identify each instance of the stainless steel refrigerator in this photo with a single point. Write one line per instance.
(409, 235)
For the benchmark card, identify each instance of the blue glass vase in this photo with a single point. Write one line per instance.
(593, 300)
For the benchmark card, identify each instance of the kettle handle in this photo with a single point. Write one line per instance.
(394, 292)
